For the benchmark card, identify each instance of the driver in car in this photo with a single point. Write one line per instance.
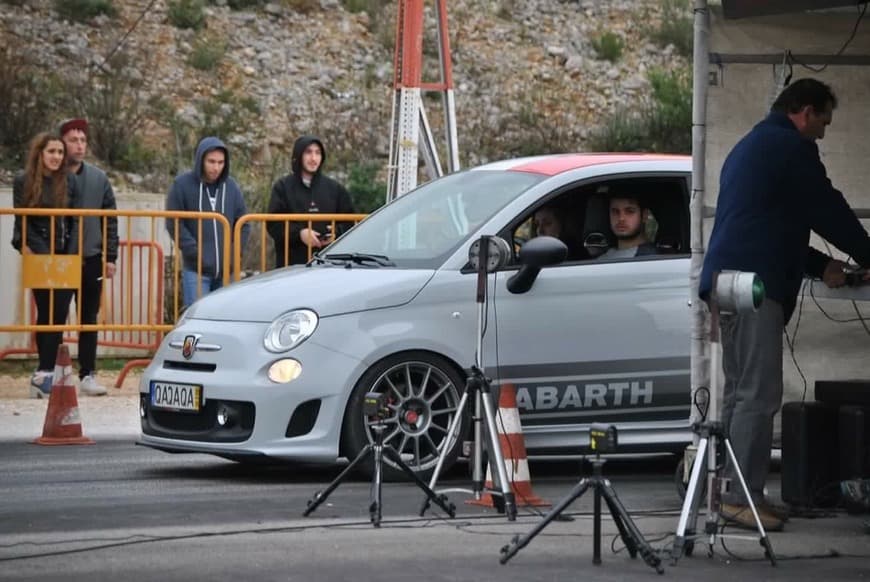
(628, 218)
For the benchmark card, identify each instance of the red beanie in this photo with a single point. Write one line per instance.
(75, 123)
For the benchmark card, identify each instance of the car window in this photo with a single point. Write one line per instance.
(580, 217)
(423, 227)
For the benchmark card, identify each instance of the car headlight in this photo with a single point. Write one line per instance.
(289, 330)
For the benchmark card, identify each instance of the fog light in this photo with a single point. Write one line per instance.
(284, 371)
(223, 416)
(142, 408)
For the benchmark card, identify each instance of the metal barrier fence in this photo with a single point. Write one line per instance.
(133, 307)
(143, 300)
(258, 242)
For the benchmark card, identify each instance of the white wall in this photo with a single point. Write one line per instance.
(824, 349)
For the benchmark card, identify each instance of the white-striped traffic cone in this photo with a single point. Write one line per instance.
(63, 425)
(513, 448)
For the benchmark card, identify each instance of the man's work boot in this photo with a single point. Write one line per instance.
(741, 516)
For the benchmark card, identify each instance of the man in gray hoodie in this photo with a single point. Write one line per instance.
(207, 187)
(95, 193)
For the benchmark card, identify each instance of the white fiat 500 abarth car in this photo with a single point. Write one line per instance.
(276, 366)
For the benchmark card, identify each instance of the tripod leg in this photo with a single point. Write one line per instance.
(518, 543)
(496, 458)
(631, 534)
(628, 540)
(763, 540)
(439, 500)
(452, 433)
(689, 512)
(596, 524)
(377, 478)
(321, 496)
(477, 472)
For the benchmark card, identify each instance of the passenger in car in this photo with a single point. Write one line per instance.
(628, 218)
(549, 222)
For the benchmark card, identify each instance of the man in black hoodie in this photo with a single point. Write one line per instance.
(306, 191)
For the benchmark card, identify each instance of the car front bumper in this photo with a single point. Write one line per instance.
(299, 420)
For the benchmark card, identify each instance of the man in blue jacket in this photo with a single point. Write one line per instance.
(208, 187)
(773, 190)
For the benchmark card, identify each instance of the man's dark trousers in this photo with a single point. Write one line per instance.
(92, 290)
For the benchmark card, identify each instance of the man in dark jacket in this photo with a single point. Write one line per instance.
(208, 187)
(773, 191)
(95, 192)
(306, 191)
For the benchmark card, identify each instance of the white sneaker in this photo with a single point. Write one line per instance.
(88, 385)
(40, 384)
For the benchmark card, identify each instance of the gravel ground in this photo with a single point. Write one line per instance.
(18, 386)
(113, 415)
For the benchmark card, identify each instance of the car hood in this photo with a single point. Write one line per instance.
(327, 290)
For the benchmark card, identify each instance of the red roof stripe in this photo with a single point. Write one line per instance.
(552, 165)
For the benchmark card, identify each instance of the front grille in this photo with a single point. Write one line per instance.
(189, 366)
(201, 426)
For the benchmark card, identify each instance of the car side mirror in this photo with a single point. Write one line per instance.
(541, 251)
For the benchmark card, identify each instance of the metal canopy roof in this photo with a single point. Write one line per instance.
(744, 8)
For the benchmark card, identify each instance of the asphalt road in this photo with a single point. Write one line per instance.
(119, 511)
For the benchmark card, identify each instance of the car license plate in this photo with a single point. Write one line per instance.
(174, 396)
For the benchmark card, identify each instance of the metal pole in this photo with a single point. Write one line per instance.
(700, 345)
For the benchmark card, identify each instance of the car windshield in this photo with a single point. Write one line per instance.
(423, 227)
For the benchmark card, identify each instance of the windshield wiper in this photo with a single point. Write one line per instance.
(360, 258)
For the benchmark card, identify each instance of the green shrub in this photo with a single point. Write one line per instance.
(664, 124)
(30, 96)
(671, 118)
(303, 6)
(675, 28)
(207, 53)
(367, 193)
(608, 46)
(244, 4)
(109, 98)
(186, 13)
(83, 10)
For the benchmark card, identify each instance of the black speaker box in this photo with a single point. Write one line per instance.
(854, 442)
(809, 468)
(843, 392)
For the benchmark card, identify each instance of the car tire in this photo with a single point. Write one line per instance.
(420, 417)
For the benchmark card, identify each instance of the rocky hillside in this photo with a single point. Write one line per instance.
(531, 76)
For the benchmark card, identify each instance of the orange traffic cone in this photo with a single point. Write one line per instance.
(513, 448)
(63, 425)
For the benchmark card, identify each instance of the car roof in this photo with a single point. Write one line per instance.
(552, 165)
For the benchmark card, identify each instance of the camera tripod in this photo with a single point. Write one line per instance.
(477, 385)
(711, 433)
(631, 536)
(378, 449)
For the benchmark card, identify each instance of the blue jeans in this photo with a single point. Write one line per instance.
(189, 290)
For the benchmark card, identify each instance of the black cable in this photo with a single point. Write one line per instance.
(862, 11)
(126, 34)
(831, 553)
(831, 317)
(860, 317)
(791, 341)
